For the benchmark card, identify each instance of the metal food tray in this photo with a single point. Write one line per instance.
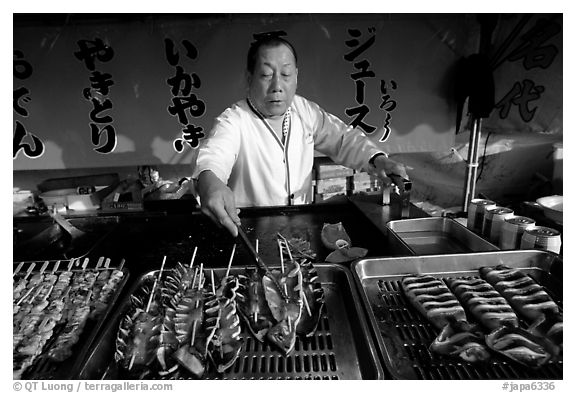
(403, 335)
(341, 348)
(435, 235)
(69, 368)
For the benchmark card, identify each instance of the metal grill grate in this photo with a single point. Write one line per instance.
(407, 332)
(338, 350)
(313, 358)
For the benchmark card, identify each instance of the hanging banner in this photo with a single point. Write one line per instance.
(118, 90)
(526, 59)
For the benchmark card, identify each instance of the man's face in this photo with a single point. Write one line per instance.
(273, 84)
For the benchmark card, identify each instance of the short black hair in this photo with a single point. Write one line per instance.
(273, 39)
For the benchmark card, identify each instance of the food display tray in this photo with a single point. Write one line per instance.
(434, 236)
(340, 349)
(43, 368)
(403, 335)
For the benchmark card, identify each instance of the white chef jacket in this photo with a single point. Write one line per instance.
(246, 154)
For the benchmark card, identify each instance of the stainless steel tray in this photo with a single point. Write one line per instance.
(341, 348)
(43, 368)
(435, 235)
(403, 335)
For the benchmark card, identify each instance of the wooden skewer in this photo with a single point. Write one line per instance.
(25, 296)
(194, 277)
(70, 264)
(256, 312)
(122, 262)
(44, 266)
(201, 276)
(196, 304)
(230, 261)
(306, 304)
(29, 270)
(282, 265)
(56, 266)
(49, 292)
(18, 268)
(281, 256)
(107, 263)
(213, 285)
(99, 262)
(85, 264)
(287, 245)
(132, 361)
(38, 288)
(155, 283)
(193, 257)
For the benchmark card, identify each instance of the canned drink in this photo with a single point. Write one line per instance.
(541, 238)
(512, 230)
(493, 219)
(476, 210)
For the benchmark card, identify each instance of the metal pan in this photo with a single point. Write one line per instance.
(553, 207)
(433, 236)
(341, 348)
(43, 368)
(403, 335)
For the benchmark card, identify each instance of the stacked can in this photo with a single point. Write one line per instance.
(541, 238)
(512, 230)
(493, 219)
(476, 210)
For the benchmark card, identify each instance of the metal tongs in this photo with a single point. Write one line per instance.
(260, 264)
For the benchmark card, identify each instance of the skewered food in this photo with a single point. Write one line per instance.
(483, 302)
(526, 296)
(252, 305)
(51, 309)
(286, 310)
(463, 339)
(432, 298)
(520, 346)
(224, 342)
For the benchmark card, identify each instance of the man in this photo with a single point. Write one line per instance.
(260, 151)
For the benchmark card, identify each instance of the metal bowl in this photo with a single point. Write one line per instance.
(552, 206)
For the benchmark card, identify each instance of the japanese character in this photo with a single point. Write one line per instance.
(22, 69)
(386, 128)
(182, 77)
(173, 57)
(363, 67)
(191, 135)
(521, 95)
(96, 136)
(391, 104)
(91, 50)
(19, 93)
(180, 104)
(351, 56)
(533, 51)
(100, 106)
(360, 85)
(19, 144)
(364, 73)
(101, 82)
(361, 112)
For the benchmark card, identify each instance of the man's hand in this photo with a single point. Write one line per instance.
(217, 202)
(390, 171)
